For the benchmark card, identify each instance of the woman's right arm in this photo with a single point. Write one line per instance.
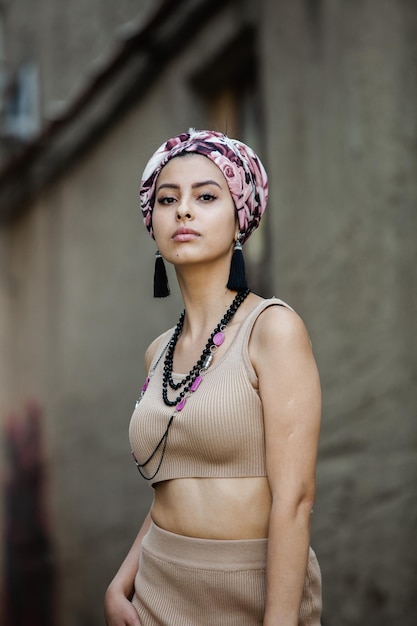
(118, 609)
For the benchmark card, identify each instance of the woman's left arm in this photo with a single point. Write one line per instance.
(289, 388)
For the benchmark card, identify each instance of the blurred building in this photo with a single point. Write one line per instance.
(326, 92)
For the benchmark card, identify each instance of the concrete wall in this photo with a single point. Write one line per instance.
(341, 94)
(66, 40)
(83, 314)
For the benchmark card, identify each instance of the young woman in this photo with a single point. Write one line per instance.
(227, 427)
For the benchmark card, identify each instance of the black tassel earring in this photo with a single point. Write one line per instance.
(160, 278)
(237, 277)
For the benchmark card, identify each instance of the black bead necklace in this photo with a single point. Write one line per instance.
(191, 381)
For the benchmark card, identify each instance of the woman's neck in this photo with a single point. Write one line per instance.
(206, 299)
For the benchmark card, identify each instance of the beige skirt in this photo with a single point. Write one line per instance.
(183, 581)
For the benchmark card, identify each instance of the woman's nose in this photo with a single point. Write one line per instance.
(184, 211)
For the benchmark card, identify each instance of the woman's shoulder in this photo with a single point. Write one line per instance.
(155, 347)
(275, 323)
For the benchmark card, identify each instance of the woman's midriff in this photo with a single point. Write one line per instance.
(213, 508)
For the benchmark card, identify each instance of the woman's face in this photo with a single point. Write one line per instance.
(194, 215)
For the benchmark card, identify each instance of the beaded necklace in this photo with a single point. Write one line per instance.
(191, 382)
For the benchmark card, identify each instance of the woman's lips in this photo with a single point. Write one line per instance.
(185, 234)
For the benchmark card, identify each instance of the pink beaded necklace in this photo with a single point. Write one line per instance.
(191, 382)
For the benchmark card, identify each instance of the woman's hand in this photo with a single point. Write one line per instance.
(118, 610)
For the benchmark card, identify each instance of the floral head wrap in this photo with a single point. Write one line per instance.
(242, 169)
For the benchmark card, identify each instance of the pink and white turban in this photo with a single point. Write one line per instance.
(244, 173)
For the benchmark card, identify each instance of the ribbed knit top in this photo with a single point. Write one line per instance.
(220, 431)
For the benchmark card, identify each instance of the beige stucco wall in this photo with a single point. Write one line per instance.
(67, 42)
(5, 401)
(341, 97)
(82, 318)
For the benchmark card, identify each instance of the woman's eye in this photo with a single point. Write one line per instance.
(166, 200)
(207, 197)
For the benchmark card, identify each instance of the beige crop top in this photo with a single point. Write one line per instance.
(220, 431)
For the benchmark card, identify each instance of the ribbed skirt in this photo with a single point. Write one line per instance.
(183, 581)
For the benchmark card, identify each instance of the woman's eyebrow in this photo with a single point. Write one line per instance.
(167, 186)
(205, 182)
(193, 186)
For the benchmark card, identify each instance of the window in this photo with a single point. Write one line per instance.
(21, 104)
